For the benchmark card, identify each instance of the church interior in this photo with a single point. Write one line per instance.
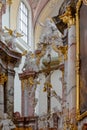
(42, 64)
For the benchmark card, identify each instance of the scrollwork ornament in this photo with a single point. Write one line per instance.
(68, 17)
(77, 65)
(3, 78)
(77, 114)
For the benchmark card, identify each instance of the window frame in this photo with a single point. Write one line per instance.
(21, 20)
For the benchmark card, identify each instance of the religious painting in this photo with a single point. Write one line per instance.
(81, 51)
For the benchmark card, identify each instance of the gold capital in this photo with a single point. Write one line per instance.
(3, 78)
(9, 2)
(68, 17)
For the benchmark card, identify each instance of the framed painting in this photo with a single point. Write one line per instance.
(81, 59)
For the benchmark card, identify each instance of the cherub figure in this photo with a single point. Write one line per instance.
(6, 124)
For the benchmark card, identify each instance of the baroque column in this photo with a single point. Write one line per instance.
(9, 59)
(28, 84)
(3, 79)
(69, 18)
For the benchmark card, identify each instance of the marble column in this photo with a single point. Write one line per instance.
(10, 95)
(25, 103)
(1, 100)
(69, 18)
(3, 79)
(28, 93)
(71, 80)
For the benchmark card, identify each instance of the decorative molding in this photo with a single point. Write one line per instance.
(9, 55)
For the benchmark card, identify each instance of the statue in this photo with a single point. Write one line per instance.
(30, 62)
(11, 37)
(6, 124)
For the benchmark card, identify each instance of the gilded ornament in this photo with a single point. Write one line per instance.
(69, 125)
(3, 78)
(31, 81)
(67, 17)
(47, 85)
(24, 53)
(77, 65)
(44, 89)
(9, 2)
(61, 50)
(13, 32)
(40, 54)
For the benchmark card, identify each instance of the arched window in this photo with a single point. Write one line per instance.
(23, 21)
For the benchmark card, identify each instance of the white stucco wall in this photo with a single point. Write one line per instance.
(42, 97)
(57, 86)
(41, 106)
(17, 87)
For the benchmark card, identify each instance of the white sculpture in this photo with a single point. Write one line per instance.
(11, 37)
(30, 63)
(6, 124)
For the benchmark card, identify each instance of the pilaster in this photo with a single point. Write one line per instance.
(69, 18)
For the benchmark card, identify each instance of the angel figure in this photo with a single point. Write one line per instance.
(13, 32)
(11, 37)
(30, 62)
(6, 124)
